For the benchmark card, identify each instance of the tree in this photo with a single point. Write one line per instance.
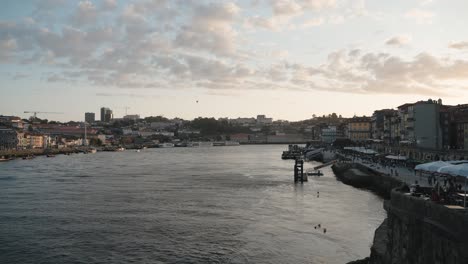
(95, 142)
(152, 119)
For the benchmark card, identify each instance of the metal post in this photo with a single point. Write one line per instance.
(464, 198)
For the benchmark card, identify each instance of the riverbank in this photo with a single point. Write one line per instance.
(359, 176)
(40, 152)
(416, 230)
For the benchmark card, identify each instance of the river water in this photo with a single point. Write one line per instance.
(180, 205)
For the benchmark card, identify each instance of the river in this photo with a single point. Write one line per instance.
(180, 205)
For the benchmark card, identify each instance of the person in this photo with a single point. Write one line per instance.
(324, 230)
(318, 194)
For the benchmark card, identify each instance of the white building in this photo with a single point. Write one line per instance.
(263, 120)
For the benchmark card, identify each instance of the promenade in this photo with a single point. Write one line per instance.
(398, 171)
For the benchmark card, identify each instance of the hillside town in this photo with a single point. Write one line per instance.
(424, 125)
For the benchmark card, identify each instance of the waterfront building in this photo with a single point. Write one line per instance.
(90, 118)
(33, 140)
(8, 139)
(240, 137)
(359, 128)
(106, 114)
(378, 123)
(286, 138)
(329, 134)
(420, 124)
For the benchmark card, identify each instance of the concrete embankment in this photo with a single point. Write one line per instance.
(416, 231)
(359, 176)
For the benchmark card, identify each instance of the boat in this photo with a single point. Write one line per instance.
(120, 149)
(137, 150)
(92, 151)
(5, 159)
(202, 144)
(166, 145)
(231, 143)
(219, 144)
(314, 173)
(50, 155)
(29, 157)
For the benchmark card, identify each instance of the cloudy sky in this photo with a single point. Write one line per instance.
(287, 59)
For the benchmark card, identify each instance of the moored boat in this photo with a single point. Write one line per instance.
(166, 145)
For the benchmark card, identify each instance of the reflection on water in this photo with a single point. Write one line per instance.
(180, 205)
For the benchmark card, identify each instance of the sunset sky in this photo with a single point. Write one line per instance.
(287, 59)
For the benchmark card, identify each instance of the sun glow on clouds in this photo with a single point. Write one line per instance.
(216, 47)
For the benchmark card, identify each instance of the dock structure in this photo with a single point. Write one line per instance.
(299, 175)
(326, 164)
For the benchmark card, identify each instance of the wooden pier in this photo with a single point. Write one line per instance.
(299, 175)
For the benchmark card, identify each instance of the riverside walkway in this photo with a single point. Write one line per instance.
(402, 173)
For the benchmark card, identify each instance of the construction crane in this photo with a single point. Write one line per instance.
(39, 112)
(126, 109)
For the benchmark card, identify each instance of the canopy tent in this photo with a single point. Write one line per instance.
(432, 166)
(393, 157)
(456, 162)
(457, 170)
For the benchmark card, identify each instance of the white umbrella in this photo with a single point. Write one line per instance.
(457, 170)
(432, 166)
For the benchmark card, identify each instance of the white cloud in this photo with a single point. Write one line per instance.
(459, 45)
(420, 16)
(313, 22)
(399, 41)
(109, 5)
(86, 13)
(286, 8)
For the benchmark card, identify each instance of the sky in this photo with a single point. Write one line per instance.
(287, 59)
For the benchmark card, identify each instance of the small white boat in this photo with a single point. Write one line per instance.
(166, 145)
(120, 149)
(232, 143)
(92, 151)
(137, 150)
(202, 144)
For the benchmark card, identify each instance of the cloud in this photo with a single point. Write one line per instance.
(86, 13)
(420, 16)
(313, 22)
(210, 29)
(161, 45)
(109, 5)
(318, 4)
(286, 8)
(459, 45)
(398, 41)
